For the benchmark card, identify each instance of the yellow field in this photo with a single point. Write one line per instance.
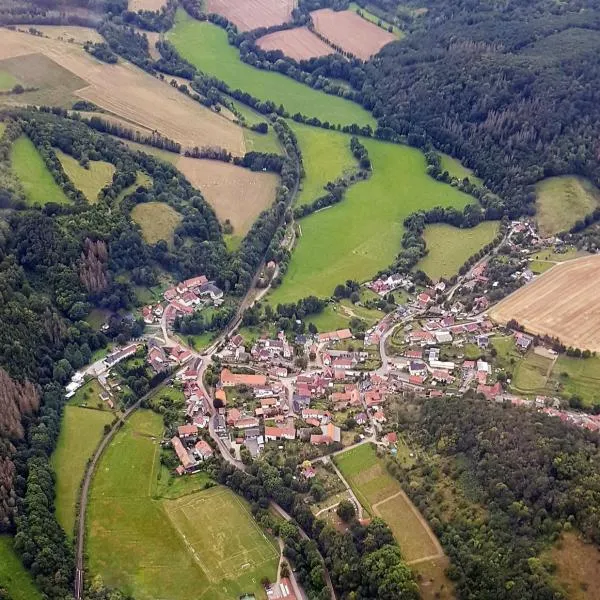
(157, 220)
(88, 181)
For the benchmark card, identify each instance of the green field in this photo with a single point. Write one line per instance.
(561, 201)
(39, 185)
(7, 81)
(449, 247)
(531, 374)
(14, 578)
(205, 46)
(262, 142)
(326, 156)
(157, 220)
(80, 433)
(88, 181)
(456, 169)
(369, 16)
(362, 234)
(578, 376)
(202, 545)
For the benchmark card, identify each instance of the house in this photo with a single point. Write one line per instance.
(187, 462)
(416, 380)
(390, 438)
(379, 417)
(523, 341)
(483, 341)
(229, 379)
(203, 450)
(195, 282)
(416, 367)
(187, 432)
(157, 359)
(414, 354)
(233, 415)
(179, 355)
(443, 337)
(423, 299)
(147, 315)
(447, 365)
(334, 336)
(313, 413)
(361, 419)
(373, 398)
(490, 391)
(483, 366)
(246, 423)
(221, 395)
(120, 354)
(280, 433)
(441, 376)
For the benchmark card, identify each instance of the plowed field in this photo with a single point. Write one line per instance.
(299, 43)
(251, 14)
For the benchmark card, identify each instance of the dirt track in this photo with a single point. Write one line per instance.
(298, 43)
(251, 14)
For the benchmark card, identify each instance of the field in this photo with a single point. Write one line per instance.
(39, 185)
(366, 14)
(561, 201)
(13, 576)
(531, 374)
(205, 46)
(235, 193)
(7, 81)
(362, 234)
(121, 89)
(252, 14)
(88, 181)
(456, 169)
(135, 5)
(299, 43)
(158, 221)
(351, 32)
(561, 303)
(72, 34)
(449, 247)
(578, 376)
(80, 433)
(134, 542)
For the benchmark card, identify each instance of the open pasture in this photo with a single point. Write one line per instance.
(354, 34)
(456, 169)
(561, 302)
(7, 81)
(252, 14)
(158, 221)
(14, 578)
(299, 43)
(88, 181)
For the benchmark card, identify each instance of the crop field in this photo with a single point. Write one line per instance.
(351, 32)
(88, 181)
(135, 5)
(299, 43)
(252, 14)
(361, 235)
(13, 577)
(449, 247)
(72, 34)
(562, 303)
(205, 46)
(121, 89)
(369, 16)
(158, 221)
(456, 169)
(39, 185)
(80, 433)
(561, 201)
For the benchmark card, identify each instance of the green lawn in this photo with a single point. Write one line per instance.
(7, 81)
(580, 377)
(457, 169)
(262, 142)
(13, 576)
(88, 181)
(531, 374)
(362, 234)
(81, 432)
(369, 16)
(449, 247)
(205, 46)
(329, 319)
(39, 185)
(157, 220)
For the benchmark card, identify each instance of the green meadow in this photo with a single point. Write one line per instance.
(205, 45)
(369, 16)
(13, 576)
(7, 81)
(456, 169)
(88, 181)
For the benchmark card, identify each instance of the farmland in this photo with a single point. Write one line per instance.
(39, 185)
(13, 576)
(449, 247)
(88, 181)
(7, 81)
(362, 234)
(205, 46)
(560, 303)
(561, 201)
(299, 43)
(351, 32)
(369, 16)
(135, 5)
(252, 14)
(157, 220)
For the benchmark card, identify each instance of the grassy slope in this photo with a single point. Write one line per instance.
(449, 247)
(88, 181)
(583, 378)
(457, 169)
(360, 235)
(205, 45)
(81, 432)
(13, 576)
(39, 185)
(7, 81)
(157, 220)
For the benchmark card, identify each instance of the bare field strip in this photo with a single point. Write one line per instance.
(251, 14)
(299, 43)
(70, 33)
(563, 302)
(131, 94)
(135, 5)
(235, 193)
(351, 32)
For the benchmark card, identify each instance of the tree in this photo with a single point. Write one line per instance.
(346, 511)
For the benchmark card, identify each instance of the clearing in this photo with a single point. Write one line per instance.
(449, 247)
(158, 221)
(13, 576)
(299, 43)
(88, 181)
(28, 165)
(205, 45)
(562, 201)
(350, 32)
(561, 302)
(252, 14)
(456, 169)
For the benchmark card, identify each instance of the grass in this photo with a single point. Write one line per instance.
(531, 374)
(262, 142)
(157, 220)
(450, 247)
(362, 234)
(88, 181)
(580, 377)
(97, 318)
(81, 432)
(7, 81)
(369, 16)
(2, 128)
(205, 45)
(329, 319)
(540, 266)
(88, 395)
(456, 169)
(202, 545)
(28, 165)
(561, 201)
(13, 576)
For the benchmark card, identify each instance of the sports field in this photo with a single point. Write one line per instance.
(362, 234)
(88, 181)
(205, 46)
(28, 165)
(13, 576)
(158, 221)
(449, 247)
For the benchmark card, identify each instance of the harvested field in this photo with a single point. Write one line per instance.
(299, 43)
(127, 92)
(252, 14)
(157, 220)
(88, 181)
(562, 303)
(70, 33)
(135, 5)
(115, 121)
(235, 193)
(351, 32)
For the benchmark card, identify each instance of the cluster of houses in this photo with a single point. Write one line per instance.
(162, 358)
(190, 295)
(190, 449)
(382, 287)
